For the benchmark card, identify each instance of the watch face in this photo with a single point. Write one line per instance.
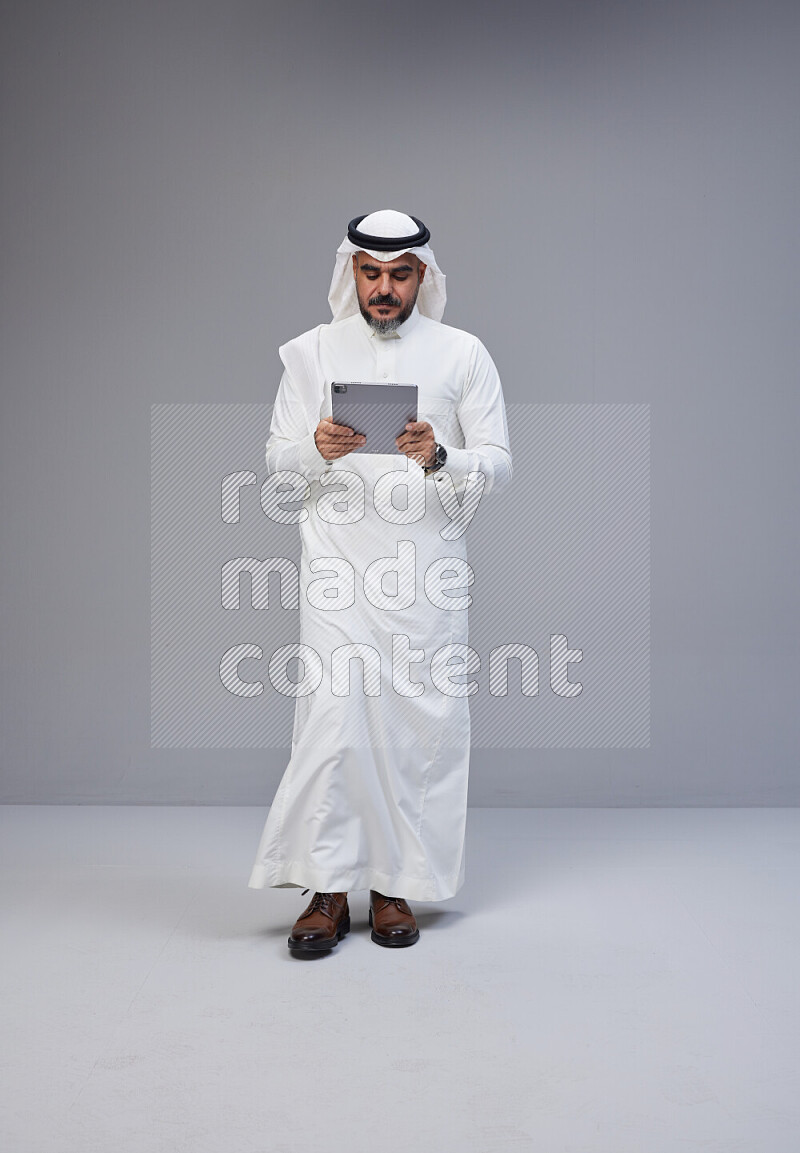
(441, 454)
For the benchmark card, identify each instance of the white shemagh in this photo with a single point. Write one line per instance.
(342, 296)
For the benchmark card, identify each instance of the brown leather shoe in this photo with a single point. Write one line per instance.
(392, 921)
(321, 925)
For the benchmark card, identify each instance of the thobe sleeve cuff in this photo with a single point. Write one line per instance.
(312, 463)
(490, 460)
(460, 461)
(301, 456)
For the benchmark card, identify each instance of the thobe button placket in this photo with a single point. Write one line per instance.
(385, 360)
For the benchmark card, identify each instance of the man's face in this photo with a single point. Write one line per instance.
(387, 290)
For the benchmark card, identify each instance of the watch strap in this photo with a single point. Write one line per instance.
(440, 458)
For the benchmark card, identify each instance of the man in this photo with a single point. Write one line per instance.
(375, 793)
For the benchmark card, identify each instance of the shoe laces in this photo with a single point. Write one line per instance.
(400, 902)
(324, 902)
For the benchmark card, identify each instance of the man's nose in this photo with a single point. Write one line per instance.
(385, 283)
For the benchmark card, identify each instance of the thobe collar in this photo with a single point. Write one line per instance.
(405, 329)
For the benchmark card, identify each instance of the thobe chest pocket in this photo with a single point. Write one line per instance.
(442, 416)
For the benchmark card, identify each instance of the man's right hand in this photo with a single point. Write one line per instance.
(336, 440)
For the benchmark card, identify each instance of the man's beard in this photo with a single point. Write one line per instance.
(384, 325)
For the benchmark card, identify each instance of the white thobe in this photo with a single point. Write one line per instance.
(375, 793)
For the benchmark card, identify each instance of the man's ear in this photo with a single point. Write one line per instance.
(423, 268)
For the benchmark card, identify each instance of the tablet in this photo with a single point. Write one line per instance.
(379, 411)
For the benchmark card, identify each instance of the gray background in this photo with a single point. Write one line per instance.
(612, 190)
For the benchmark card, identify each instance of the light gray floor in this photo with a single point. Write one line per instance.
(606, 980)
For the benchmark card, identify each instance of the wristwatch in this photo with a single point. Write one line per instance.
(439, 459)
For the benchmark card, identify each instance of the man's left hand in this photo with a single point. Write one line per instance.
(418, 443)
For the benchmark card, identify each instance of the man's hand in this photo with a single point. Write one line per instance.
(336, 440)
(418, 443)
